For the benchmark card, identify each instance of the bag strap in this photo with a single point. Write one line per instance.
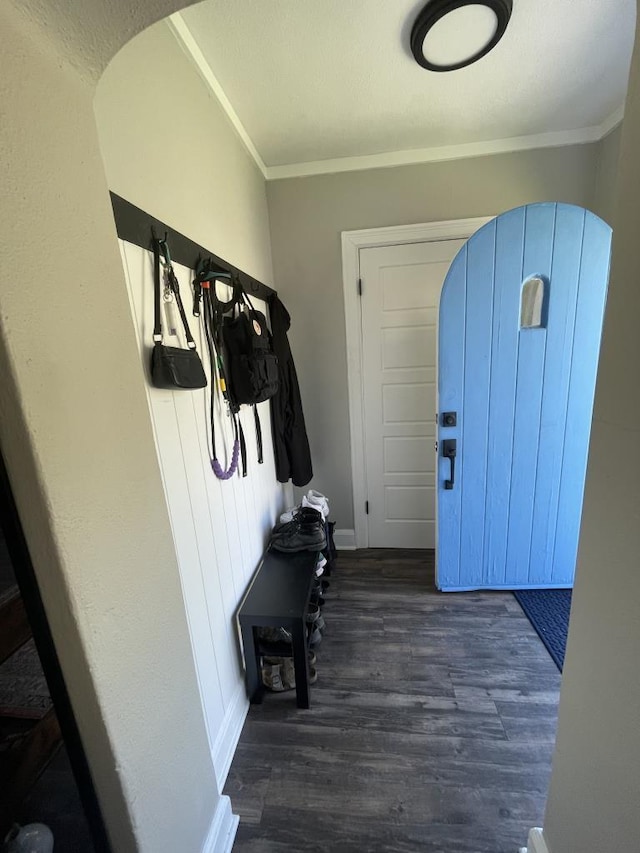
(256, 418)
(161, 246)
(157, 323)
(249, 304)
(219, 381)
(243, 447)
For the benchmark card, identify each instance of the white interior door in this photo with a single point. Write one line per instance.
(400, 297)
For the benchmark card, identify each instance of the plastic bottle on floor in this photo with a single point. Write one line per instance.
(32, 838)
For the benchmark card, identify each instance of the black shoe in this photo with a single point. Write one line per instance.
(307, 537)
(305, 524)
(274, 635)
(303, 515)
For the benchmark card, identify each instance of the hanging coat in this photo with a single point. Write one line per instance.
(290, 442)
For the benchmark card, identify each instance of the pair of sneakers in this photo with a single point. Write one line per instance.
(315, 624)
(316, 500)
(278, 674)
(312, 500)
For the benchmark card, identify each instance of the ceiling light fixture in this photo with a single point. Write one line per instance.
(451, 34)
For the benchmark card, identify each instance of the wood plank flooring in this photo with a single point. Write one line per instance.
(431, 726)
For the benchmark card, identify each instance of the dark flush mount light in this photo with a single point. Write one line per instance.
(451, 34)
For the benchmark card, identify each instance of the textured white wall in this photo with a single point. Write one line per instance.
(595, 785)
(76, 434)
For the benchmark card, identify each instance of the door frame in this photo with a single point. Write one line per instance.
(352, 243)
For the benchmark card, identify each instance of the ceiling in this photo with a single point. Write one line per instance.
(331, 84)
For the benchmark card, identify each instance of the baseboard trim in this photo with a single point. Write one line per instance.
(222, 831)
(345, 540)
(229, 735)
(536, 842)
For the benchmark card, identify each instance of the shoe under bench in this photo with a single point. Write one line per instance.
(278, 597)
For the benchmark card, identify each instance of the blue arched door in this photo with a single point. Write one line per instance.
(519, 335)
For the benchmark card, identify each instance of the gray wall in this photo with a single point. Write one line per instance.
(307, 216)
(595, 787)
(605, 195)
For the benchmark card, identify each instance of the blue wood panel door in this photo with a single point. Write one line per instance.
(519, 336)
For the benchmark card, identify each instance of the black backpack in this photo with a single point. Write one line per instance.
(241, 349)
(252, 365)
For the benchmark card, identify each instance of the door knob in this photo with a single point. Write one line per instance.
(449, 449)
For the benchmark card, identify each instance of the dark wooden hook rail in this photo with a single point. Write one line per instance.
(134, 225)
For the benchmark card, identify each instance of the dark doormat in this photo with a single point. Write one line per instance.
(548, 611)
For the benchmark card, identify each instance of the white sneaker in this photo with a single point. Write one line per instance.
(322, 562)
(288, 514)
(316, 500)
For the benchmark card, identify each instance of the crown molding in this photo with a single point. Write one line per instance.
(440, 154)
(616, 118)
(185, 39)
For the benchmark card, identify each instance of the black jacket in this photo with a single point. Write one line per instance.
(290, 442)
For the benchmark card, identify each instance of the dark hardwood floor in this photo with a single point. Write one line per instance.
(431, 726)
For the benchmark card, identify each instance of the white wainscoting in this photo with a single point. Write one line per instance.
(222, 831)
(219, 528)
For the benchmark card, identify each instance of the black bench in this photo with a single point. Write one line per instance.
(278, 598)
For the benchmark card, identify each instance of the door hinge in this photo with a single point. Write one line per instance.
(359, 287)
(366, 507)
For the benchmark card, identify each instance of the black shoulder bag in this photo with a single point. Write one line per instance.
(172, 367)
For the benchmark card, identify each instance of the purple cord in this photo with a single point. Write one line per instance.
(219, 471)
